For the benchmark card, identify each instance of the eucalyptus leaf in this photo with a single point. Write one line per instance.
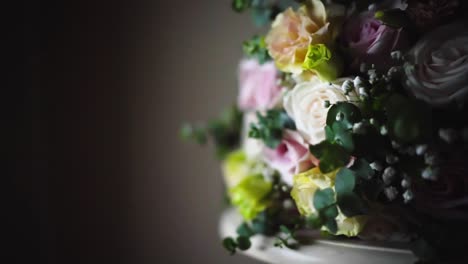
(331, 212)
(314, 221)
(331, 226)
(230, 245)
(362, 169)
(270, 127)
(323, 198)
(261, 16)
(245, 230)
(351, 204)
(331, 156)
(285, 230)
(409, 120)
(243, 242)
(348, 114)
(241, 5)
(343, 136)
(345, 182)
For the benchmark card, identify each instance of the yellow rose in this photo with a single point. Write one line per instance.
(235, 168)
(249, 196)
(304, 187)
(293, 32)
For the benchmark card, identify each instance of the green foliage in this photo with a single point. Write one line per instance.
(224, 131)
(349, 202)
(270, 127)
(344, 113)
(262, 15)
(245, 230)
(241, 5)
(408, 120)
(363, 169)
(264, 224)
(256, 48)
(325, 203)
(287, 241)
(230, 245)
(345, 181)
(243, 242)
(340, 135)
(331, 156)
(195, 133)
(324, 198)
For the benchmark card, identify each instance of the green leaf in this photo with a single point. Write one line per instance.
(331, 212)
(351, 204)
(256, 48)
(314, 221)
(230, 245)
(331, 156)
(331, 226)
(343, 136)
(323, 198)
(345, 182)
(243, 242)
(408, 120)
(245, 230)
(329, 134)
(285, 230)
(261, 16)
(362, 169)
(348, 112)
(197, 134)
(241, 5)
(270, 127)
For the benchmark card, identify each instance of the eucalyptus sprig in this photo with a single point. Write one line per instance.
(288, 240)
(224, 131)
(270, 127)
(256, 48)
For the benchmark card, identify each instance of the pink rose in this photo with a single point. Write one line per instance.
(292, 156)
(259, 89)
(371, 42)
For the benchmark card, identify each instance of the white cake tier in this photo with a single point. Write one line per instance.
(322, 251)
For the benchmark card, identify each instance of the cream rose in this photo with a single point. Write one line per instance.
(439, 70)
(293, 31)
(305, 104)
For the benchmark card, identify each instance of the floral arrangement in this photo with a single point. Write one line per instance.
(351, 120)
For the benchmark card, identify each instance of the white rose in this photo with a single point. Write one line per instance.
(440, 72)
(305, 104)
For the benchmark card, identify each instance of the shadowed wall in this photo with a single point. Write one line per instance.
(109, 86)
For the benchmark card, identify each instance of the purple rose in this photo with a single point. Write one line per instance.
(371, 42)
(292, 156)
(259, 89)
(440, 62)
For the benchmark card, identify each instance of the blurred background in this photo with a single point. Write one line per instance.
(106, 87)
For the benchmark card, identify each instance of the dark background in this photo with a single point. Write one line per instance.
(100, 175)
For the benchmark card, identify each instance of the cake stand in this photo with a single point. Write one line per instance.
(321, 251)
